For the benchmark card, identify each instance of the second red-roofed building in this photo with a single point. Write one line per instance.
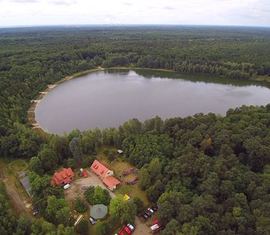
(99, 169)
(105, 174)
(111, 182)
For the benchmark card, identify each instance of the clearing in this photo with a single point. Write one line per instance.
(79, 185)
(19, 199)
(119, 165)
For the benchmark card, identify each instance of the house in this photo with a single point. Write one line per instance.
(62, 177)
(111, 182)
(105, 174)
(24, 179)
(101, 170)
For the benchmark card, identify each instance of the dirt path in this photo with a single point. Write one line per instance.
(16, 201)
(141, 228)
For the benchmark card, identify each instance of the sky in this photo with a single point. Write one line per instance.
(118, 12)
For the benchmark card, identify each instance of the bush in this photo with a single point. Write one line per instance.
(111, 155)
(79, 205)
(89, 195)
(102, 228)
(105, 151)
(97, 195)
(87, 161)
(71, 163)
(139, 204)
(83, 227)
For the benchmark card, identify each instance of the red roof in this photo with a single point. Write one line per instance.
(111, 182)
(105, 174)
(65, 176)
(99, 169)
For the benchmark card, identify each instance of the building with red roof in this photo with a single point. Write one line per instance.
(62, 177)
(99, 169)
(111, 182)
(105, 174)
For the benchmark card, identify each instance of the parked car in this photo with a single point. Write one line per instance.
(148, 213)
(126, 230)
(150, 210)
(145, 216)
(156, 227)
(92, 220)
(66, 186)
(132, 227)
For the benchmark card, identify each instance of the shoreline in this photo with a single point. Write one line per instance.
(31, 112)
(31, 119)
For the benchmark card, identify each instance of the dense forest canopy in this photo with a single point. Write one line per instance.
(208, 174)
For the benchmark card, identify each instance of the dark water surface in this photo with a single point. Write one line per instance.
(109, 98)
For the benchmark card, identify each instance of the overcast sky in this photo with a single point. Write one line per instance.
(198, 12)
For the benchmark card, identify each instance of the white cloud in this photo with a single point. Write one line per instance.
(48, 12)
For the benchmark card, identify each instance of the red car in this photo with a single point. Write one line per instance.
(126, 230)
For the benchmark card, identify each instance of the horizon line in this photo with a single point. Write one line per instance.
(130, 25)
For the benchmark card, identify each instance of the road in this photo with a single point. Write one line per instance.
(15, 198)
(141, 228)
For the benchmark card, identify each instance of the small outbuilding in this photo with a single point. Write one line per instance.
(24, 180)
(98, 211)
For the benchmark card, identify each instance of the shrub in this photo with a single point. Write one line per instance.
(79, 205)
(83, 227)
(102, 228)
(97, 195)
(139, 204)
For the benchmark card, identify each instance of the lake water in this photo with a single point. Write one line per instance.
(109, 98)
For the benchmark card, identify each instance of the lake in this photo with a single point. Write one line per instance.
(109, 98)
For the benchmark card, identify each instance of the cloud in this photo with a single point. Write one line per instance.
(217, 12)
(25, 1)
(63, 2)
(128, 4)
(169, 8)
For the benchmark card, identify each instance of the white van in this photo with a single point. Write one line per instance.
(66, 186)
(154, 227)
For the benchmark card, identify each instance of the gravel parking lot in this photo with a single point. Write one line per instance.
(80, 185)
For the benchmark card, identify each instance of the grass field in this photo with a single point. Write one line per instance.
(118, 166)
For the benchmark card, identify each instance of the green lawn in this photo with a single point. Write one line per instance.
(17, 166)
(118, 166)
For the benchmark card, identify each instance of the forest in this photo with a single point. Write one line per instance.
(208, 174)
